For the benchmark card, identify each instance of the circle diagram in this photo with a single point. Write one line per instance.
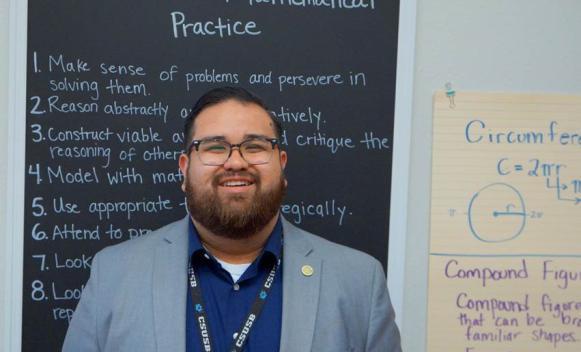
(496, 213)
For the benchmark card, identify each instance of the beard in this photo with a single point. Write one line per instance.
(237, 217)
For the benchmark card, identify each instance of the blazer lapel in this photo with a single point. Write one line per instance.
(170, 288)
(300, 297)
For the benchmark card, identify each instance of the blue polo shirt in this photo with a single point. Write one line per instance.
(228, 303)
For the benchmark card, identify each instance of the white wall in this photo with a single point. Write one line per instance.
(486, 45)
(4, 246)
(12, 104)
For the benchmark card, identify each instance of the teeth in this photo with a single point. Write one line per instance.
(236, 183)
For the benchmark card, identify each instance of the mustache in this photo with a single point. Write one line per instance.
(229, 174)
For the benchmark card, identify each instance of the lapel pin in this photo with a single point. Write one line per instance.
(307, 270)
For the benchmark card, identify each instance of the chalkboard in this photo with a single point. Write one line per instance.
(109, 84)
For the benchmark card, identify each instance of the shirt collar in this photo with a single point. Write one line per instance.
(273, 244)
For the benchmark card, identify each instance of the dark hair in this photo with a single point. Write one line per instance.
(219, 95)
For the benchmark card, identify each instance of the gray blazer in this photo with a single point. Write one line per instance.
(135, 299)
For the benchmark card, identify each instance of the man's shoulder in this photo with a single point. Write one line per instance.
(145, 244)
(325, 249)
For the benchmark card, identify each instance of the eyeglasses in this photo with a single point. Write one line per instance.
(215, 152)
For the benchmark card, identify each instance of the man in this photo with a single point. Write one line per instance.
(233, 275)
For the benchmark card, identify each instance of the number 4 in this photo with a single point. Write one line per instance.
(35, 170)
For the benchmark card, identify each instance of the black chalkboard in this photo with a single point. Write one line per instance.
(109, 83)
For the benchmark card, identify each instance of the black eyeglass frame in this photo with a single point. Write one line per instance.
(196, 144)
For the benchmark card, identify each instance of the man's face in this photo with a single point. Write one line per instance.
(236, 199)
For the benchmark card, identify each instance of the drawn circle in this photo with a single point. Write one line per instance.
(496, 213)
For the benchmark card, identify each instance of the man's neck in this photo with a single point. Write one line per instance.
(235, 251)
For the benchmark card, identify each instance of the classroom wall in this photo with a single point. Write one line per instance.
(517, 46)
(512, 46)
(12, 103)
(4, 248)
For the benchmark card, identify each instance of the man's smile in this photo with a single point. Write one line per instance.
(237, 184)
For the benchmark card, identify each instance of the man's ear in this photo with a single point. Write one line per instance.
(283, 159)
(183, 164)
